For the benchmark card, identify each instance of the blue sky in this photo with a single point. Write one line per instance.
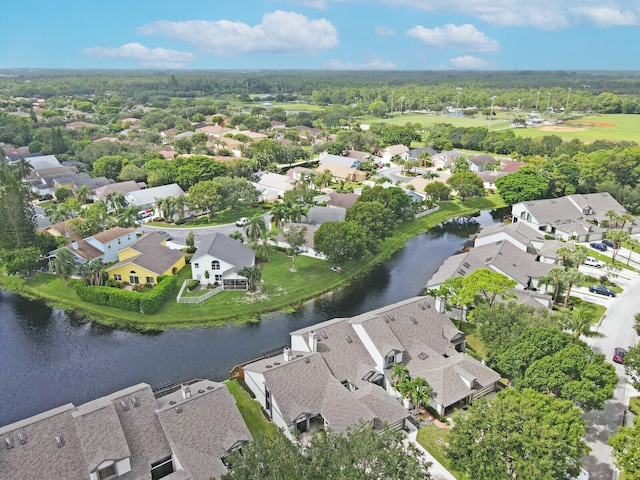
(322, 34)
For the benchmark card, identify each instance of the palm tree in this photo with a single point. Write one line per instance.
(115, 201)
(614, 218)
(419, 392)
(91, 272)
(564, 252)
(618, 236)
(58, 213)
(129, 217)
(179, 204)
(279, 214)
(572, 276)
(633, 244)
(253, 276)
(579, 255)
(555, 278)
(400, 374)
(82, 194)
(264, 247)
(254, 227)
(579, 322)
(64, 264)
(23, 167)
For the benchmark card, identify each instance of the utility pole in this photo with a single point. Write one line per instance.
(401, 104)
(247, 83)
(548, 101)
(566, 109)
(458, 101)
(537, 99)
(393, 92)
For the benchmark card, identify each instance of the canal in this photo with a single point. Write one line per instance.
(49, 358)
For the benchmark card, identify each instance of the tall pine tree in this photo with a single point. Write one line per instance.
(18, 225)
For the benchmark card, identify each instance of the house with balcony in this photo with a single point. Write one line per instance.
(219, 259)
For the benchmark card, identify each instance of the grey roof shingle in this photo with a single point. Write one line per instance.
(225, 248)
(203, 429)
(154, 256)
(318, 215)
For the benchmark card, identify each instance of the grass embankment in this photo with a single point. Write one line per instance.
(281, 289)
(434, 440)
(251, 411)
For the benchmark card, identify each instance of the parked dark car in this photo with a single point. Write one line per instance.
(602, 290)
(166, 236)
(599, 246)
(618, 354)
(610, 243)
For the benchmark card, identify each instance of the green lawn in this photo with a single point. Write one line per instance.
(500, 120)
(473, 341)
(251, 411)
(220, 218)
(434, 440)
(281, 289)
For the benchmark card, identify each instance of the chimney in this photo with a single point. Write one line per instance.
(313, 341)
(287, 354)
(440, 301)
(186, 391)
(74, 244)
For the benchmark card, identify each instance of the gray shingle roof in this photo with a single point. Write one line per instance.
(203, 429)
(148, 196)
(154, 256)
(349, 162)
(319, 215)
(225, 248)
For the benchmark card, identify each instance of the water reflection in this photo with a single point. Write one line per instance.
(49, 358)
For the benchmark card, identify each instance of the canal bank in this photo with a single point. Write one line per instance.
(50, 357)
(282, 290)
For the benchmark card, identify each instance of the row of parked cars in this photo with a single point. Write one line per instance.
(604, 245)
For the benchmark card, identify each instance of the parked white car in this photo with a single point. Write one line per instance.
(592, 262)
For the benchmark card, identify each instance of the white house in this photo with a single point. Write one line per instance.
(219, 258)
(147, 198)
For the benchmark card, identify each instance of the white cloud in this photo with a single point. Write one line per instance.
(279, 32)
(605, 16)
(468, 62)
(145, 57)
(385, 32)
(373, 63)
(464, 37)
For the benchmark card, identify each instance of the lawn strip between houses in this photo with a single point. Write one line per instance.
(281, 289)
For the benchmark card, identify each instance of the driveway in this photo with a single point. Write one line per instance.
(617, 325)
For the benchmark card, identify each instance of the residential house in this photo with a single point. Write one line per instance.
(392, 150)
(62, 229)
(578, 217)
(480, 163)
(104, 245)
(519, 234)
(169, 135)
(145, 260)
(310, 134)
(511, 166)
(129, 434)
(102, 193)
(502, 257)
(358, 155)
(48, 184)
(147, 198)
(297, 173)
(340, 173)
(215, 131)
(234, 146)
(273, 185)
(360, 353)
(17, 156)
(348, 162)
(79, 125)
(219, 259)
(489, 177)
(254, 136)
(131, 121)
(342, 200)
(314, 217)
(416, 153)
(444, 160)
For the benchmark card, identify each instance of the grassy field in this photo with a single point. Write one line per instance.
(251, 411)
(500, 120)
(281, 289)
(434, 440)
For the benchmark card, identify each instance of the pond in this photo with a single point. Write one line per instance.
(49, 358)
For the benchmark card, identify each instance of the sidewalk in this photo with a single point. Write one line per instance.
(438, 472)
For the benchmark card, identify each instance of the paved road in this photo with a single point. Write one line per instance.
(617, 325)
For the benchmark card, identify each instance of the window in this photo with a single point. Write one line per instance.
(118, 241)
(196, 265)
(218, 278)
(149, 279)
(134, 280)
(162, 468)
(117, 277)
(215, 265)
(107, 472)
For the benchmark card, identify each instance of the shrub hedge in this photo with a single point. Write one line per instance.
(148, 302)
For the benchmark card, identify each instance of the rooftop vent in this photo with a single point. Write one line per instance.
(414, 320)
(324, 334)
(210, 387)
(299, 355)
(276, 363)
(135, 401)
(172, 402)
(423, 356)
(421, 305)
(348, 339)
(125, 405)
(268, 366)
(200, 391)
(59, 441)
(178, 409)
(307, 360)
(22, 438)
(8, 441)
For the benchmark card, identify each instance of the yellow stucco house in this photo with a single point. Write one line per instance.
(146, 259)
